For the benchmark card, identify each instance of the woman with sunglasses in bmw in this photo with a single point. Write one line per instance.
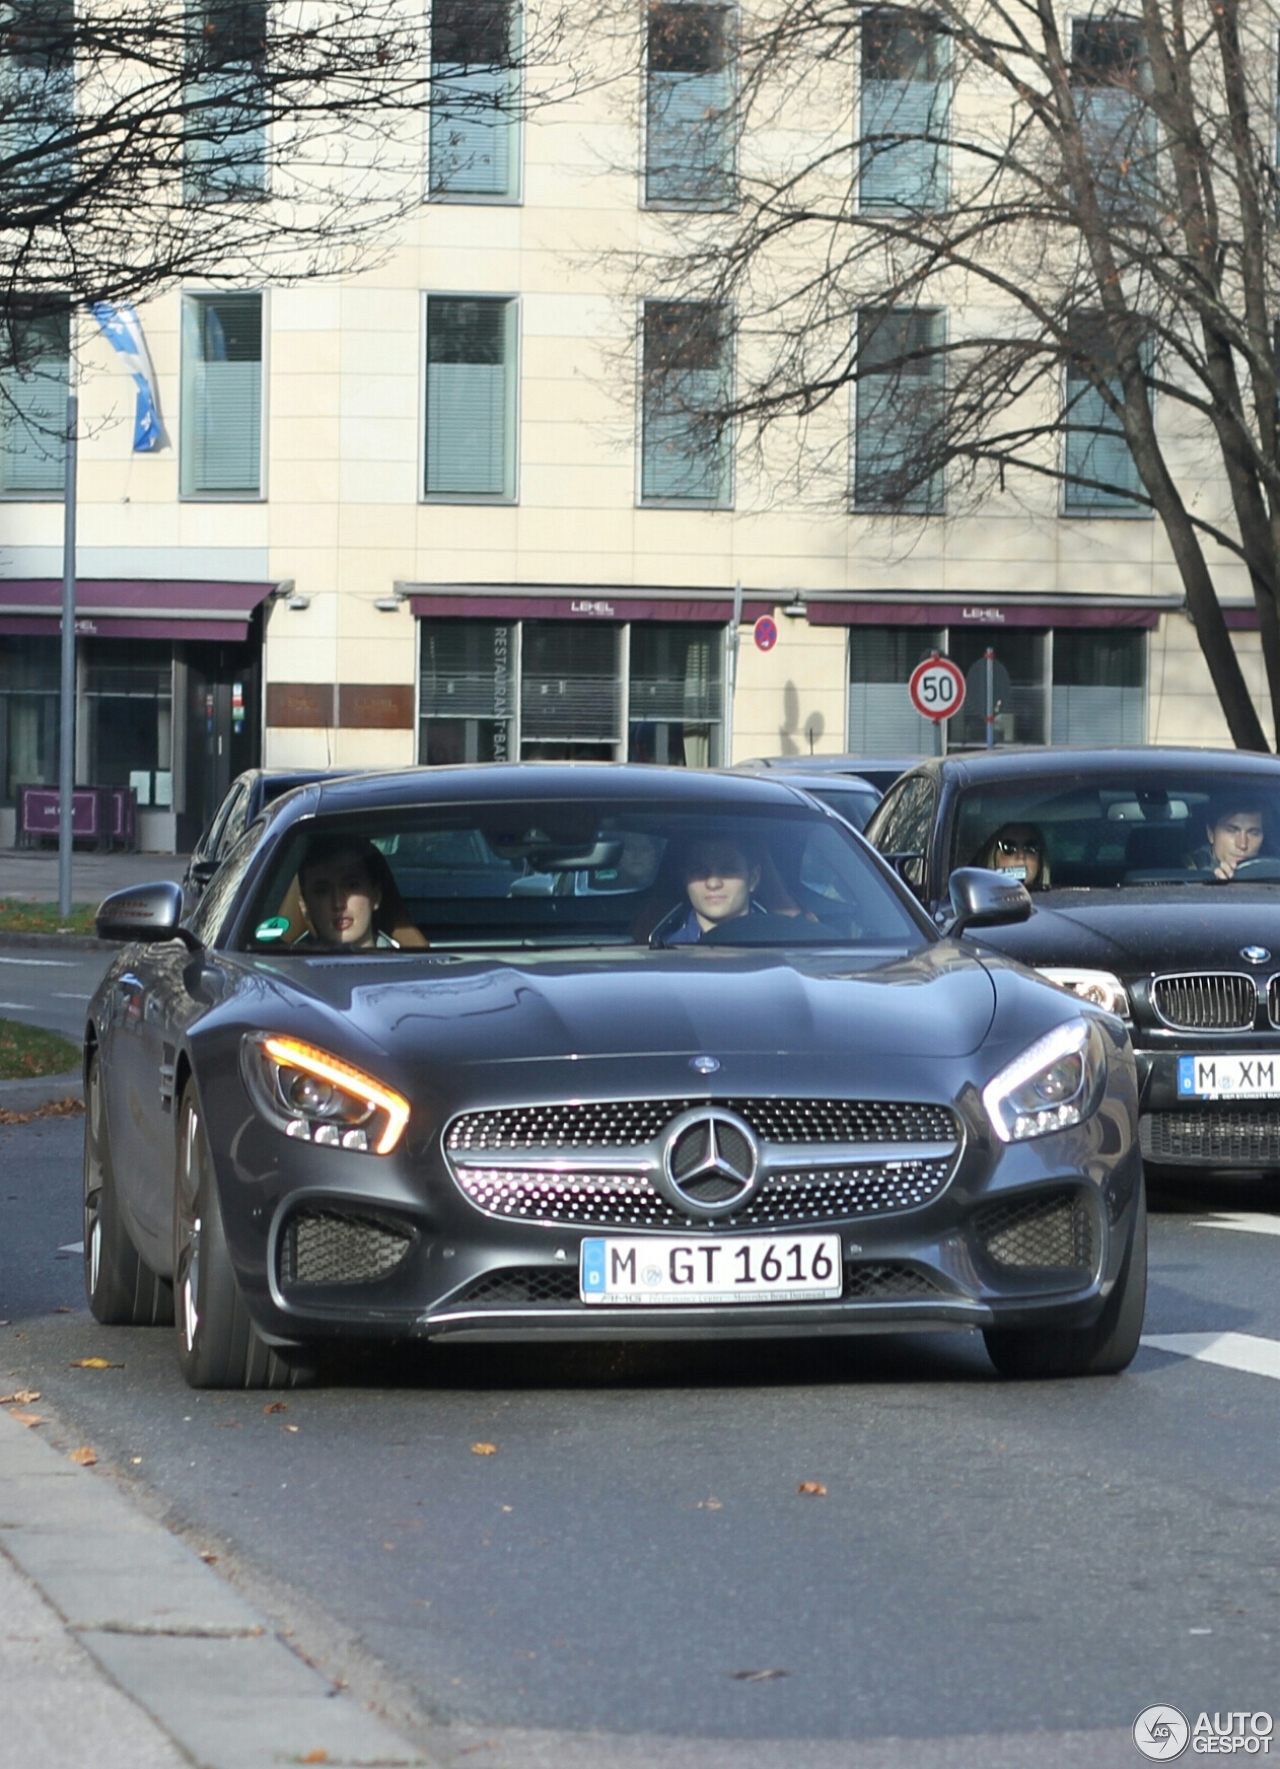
(1018, 848)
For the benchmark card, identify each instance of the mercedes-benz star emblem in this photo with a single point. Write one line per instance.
(1255, 954)
(710, 1162)
(705, 1065)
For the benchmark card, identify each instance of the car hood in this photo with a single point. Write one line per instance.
(1153, 928)
(935, 1002)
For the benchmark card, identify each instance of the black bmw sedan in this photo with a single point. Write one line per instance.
(595, 1052)
(1155, 875)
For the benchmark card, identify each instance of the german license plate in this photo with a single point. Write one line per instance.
(672, 1272)
(1229, 1077)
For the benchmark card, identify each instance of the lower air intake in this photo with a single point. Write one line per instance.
(1238, 1135)
(332, 1247)
(1038, 1234)
(886, 1283)
(523, 1286)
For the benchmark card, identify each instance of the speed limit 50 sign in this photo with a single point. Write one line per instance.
(937, 688)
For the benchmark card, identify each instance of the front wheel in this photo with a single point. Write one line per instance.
(1104, 1349)
(218, 1344)
(119, 1285)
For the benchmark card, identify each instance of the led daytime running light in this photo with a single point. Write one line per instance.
(292, 1054)
(1075, 1039)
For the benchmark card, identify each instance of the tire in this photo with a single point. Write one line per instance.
(218, 1344)
(120, 1287)
(1104, 1349)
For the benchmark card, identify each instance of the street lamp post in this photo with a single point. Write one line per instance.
(67, 735)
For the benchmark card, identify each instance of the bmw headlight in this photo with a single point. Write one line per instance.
(316, 1097)
(1096, 986)
(1053, 1085)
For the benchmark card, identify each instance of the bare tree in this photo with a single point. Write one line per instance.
(146, 141)
(1030, 247)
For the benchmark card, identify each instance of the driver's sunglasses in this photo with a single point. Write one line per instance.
(1009, 847)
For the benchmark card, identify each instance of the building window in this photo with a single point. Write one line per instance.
(222, 396)
(126, 717)
(29, 714)
(685, 441)
(466, 704)
(1019, 682)
(33, 403)
(37, 101)
(471, 398)
(899, 410)
(906, 112)
(224, 115)
(566, 690)
(474, 92)
(882, 720)
(688, 106)
(1101, 478)
(676, 702)
(1099, 685)
(1111, 77)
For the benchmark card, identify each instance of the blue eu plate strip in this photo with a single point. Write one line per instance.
(1186, 1076)
(593, 1268)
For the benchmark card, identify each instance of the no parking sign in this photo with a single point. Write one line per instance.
(765, 633)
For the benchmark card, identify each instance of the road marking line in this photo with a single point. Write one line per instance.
(1242, 1220)
(70, 995)
(26, 1006)
(1248, 1352)
(72, 1247)
(54, 963)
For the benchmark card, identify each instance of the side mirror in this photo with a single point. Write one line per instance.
(146, 912)
(909, 868)
(202, 870)
(980, 898)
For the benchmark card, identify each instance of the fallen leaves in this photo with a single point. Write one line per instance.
(276, 1406)
(84, 1457)
(813, 1489)
(710, 1504)
(208, 1558)
(54, 1108)
(315, 1757)
(769, 1676)
(21, 1397)
(484, 1449)
(94, 1363)
(27, 1419)
(288, 1428)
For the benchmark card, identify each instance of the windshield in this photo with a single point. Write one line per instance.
(532, 873)
(1142, 828)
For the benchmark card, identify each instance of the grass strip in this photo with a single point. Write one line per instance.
(30, 1051)
(17, 917)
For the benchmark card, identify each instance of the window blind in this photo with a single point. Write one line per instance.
(33, 406)
(221, 429)
(676, 673)
(570, 684)
(470, 416)
(688, 139)
(467, 668)
(684, 452)
(37, 95)
(899, 406)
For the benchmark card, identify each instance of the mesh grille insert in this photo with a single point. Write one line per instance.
(1237, 1135)
(1041, 1234)
(632, 1123)
(523, 1285)
(1217, 1001)
(871, 1283)
(332, 1247)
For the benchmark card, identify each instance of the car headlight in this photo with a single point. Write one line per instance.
(1096, 986)
(1053, 1085)
(312, 1095)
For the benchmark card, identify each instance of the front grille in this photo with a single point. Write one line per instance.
(621, 1124)
(1237, 1135)
(605, 1200)
(1273, 1001)
(332, 1247)
(1215, 1001)
(1038, 1234)
(522, 1286)
(608, 1196)
(874, 1283)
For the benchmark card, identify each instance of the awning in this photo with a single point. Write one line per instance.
(913, 608)
(550, 602)
(111, 608)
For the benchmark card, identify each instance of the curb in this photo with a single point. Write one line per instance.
(198, 1659)
(25, 1096)
(62, 942)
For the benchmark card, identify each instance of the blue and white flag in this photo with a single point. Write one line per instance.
(123, 331)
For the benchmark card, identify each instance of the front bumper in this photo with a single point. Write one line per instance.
(1230, 1135)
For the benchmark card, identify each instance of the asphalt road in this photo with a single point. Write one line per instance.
(995, 1564)
(41, 986)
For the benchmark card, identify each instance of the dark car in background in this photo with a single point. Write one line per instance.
(520, 1110)
(240, 806)
(848, 795)
(878, 771)
(1136, 909)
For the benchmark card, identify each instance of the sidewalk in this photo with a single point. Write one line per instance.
(32, 873)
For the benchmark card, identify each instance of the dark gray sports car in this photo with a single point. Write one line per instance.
(595, 1051)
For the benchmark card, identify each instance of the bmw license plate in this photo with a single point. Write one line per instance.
(671, 1272)
(1229, 1077)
